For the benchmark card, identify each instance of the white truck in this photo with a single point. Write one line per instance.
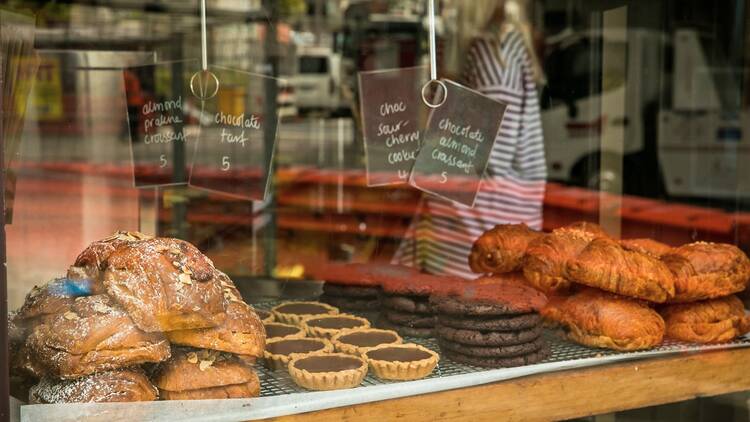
(676, 132)
(317, 80)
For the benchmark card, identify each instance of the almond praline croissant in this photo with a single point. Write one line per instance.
(501, 249)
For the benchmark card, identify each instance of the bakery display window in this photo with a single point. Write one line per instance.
(320, 209)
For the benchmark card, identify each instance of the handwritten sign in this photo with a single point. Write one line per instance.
(457, 144)
(237, 136)
(392, 122)
(156, 125)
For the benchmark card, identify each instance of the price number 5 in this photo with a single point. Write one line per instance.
(162, 160)
(225, 165)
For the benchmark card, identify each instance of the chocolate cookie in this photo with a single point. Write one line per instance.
(405, 331)
(351, 303)
(410, 320)
(489, 362)
(455, 306)
(493, 352)
(420, 284)
(509, 323)
(413, 305)
(487, 338)
(331, 289)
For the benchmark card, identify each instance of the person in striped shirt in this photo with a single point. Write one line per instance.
(500, 64)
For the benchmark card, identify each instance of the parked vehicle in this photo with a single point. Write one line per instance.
(681, 135)
(317, 80)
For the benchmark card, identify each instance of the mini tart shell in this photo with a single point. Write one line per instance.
(299, 334)
(328, 333)
(277, 362)
(322, 381)
(402, 371)
(269, 318)
(352, 349)
(296, 319)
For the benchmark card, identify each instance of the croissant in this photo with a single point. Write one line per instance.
(546, 258)
(94, 335)
(120, 385)
(501, 249)
(707, 270)
(606, 265)
(646, 246)
(708, 321)
(600, 319)
(587, 227)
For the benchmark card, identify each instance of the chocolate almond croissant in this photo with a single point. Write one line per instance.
(600, 319)
(708, 321)
(646, 246)
(707, 270)
(606, 265)
(587, 227)
(501, 249)
(547, 256)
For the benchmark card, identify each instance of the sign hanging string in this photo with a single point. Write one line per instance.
(204, 48)
(205, 77)
(433, 62)
(433, 53)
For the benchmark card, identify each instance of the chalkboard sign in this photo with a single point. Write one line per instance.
(457, 144)
(392, 122)
(156, 122)
(237, 136)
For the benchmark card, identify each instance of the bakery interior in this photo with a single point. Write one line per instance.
(598, 272)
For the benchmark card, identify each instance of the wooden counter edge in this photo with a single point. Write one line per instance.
(565, 394)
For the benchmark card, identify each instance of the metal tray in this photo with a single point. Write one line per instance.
(280, 396)
(274, 383)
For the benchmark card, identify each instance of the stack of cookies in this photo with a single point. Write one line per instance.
(492, 322)
(405, 304)
(349, 287)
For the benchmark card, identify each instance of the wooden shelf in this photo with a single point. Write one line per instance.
(567, 394)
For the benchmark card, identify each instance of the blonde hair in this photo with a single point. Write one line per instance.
(481, 21)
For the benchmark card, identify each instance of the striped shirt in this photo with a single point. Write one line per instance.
(440, 237)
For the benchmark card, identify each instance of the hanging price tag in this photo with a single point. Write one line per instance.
(157, 107)
(392, 121)
(238, 135)
(457, 144)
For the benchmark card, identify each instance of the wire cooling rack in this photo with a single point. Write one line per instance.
(280, 396)
(274, 383)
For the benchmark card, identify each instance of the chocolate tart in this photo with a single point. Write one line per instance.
(327, 371)
(359, 340)
(264, 315)
(295, 312)
(401, 361)
(277, 330)
(280, 351)
(327, 326)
